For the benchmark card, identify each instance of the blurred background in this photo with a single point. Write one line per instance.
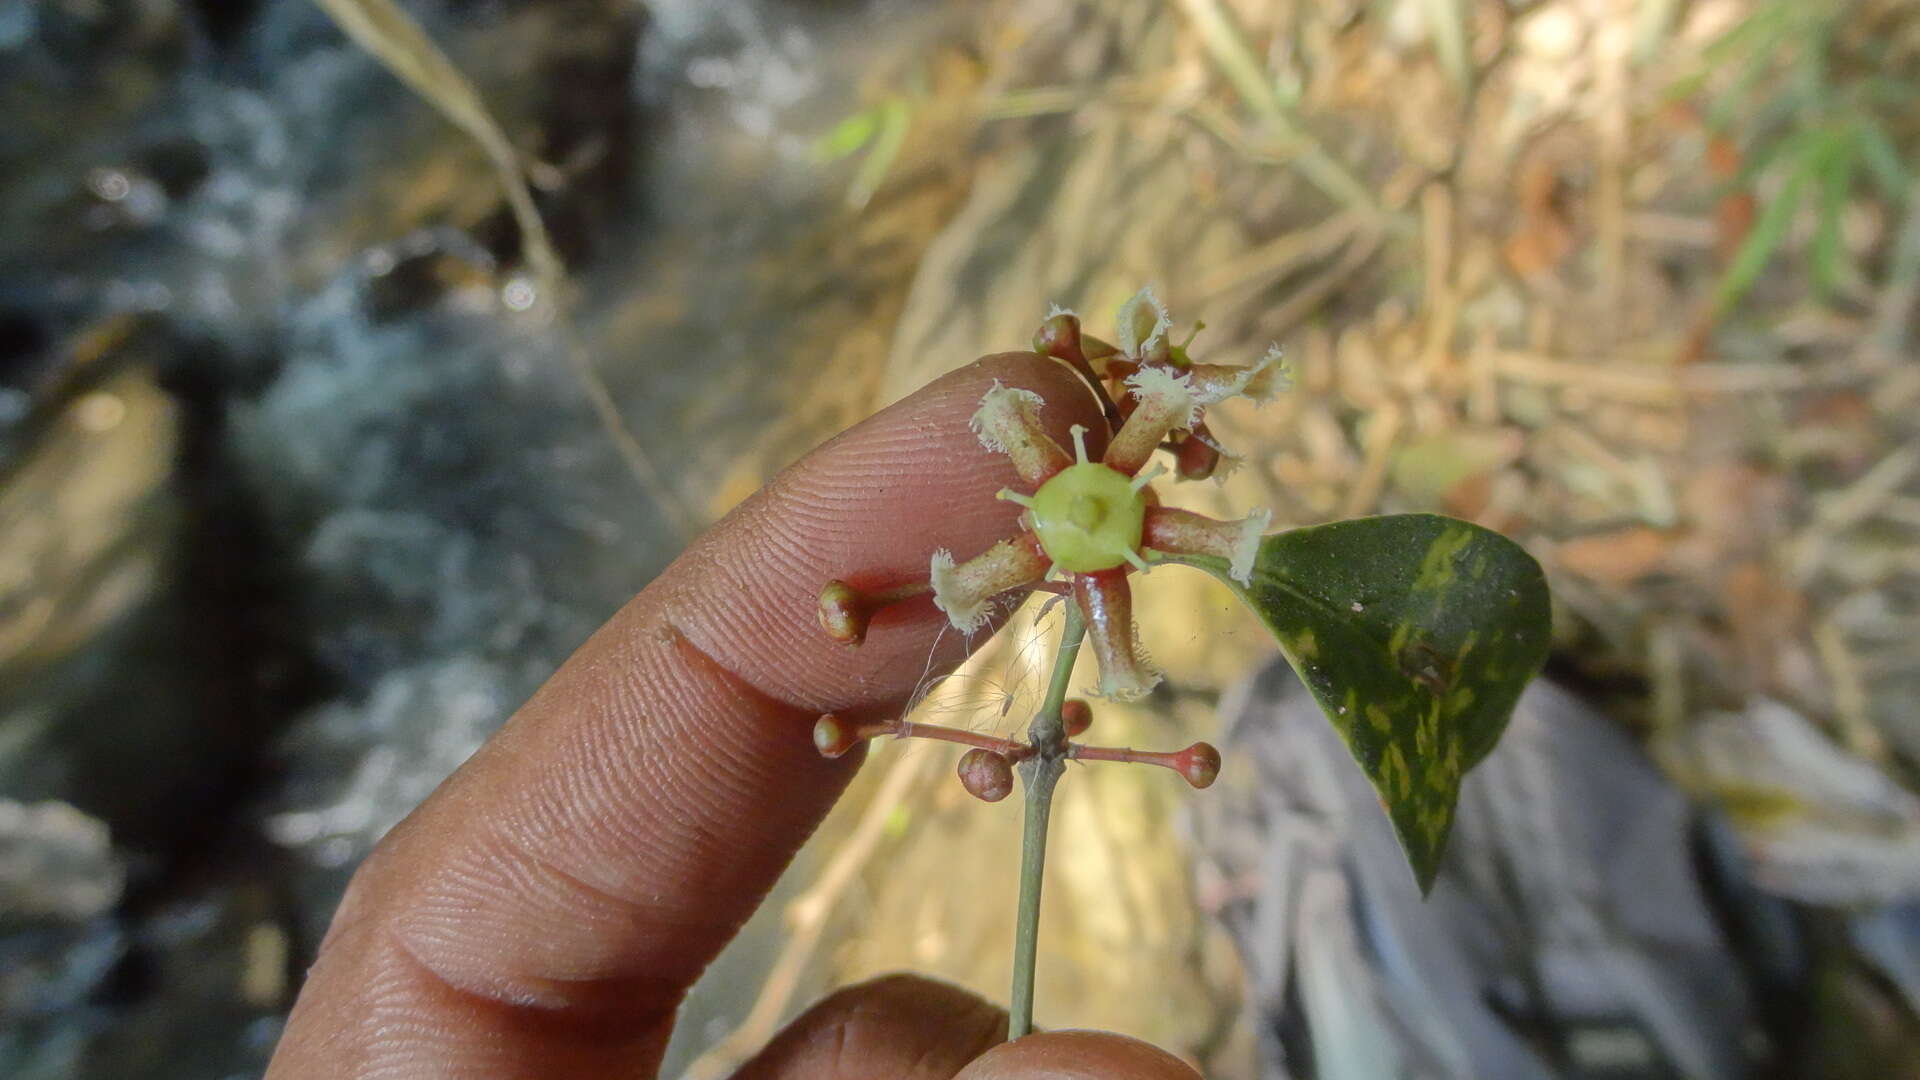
(335, 410)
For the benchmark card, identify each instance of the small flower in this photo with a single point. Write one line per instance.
(1142, 325)
(1094, 522)
(963, 591)
(986, 770)
(987, 776)
(1085, 526)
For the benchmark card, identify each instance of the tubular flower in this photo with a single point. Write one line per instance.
(1094, 522)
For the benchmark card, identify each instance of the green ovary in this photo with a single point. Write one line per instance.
(1088, 517)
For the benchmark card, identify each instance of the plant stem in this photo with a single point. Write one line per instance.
(1041, 771)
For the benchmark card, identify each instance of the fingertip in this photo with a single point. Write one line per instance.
(1077, 1055)
(870, 507)
(586, 865)
(897, 1026)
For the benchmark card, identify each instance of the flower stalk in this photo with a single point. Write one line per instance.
(1048, 736)
(1086, 524)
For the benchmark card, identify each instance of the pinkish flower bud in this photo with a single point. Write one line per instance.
(1059, 337)
(1193, 457)
(987, 776)
(845, 611)
(1199, 763)
(833, 736)
(1076, 716)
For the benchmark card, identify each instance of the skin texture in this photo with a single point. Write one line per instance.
(544, 911)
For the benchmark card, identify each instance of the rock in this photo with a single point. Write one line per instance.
(1567, 934)
(1816, 824)
(56, 863)
(59, 939)
(93, 693)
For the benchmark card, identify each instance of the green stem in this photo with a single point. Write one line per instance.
(1049, 736)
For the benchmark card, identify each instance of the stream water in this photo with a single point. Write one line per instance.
(297, 497)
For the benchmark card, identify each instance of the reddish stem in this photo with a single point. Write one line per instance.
(1199, 763)
(1005, 747)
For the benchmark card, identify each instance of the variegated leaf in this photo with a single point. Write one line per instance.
(1416, 634)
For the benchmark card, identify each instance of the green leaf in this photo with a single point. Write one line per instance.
(1882, 160)
(892, 119)
(847, 137)
(1416, 634)
(1835, 170)
(1758, 248)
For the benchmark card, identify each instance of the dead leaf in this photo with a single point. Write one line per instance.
(1545, 234)
(1620, 557)
(1766, 613)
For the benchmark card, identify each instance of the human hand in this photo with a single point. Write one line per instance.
(544, 911)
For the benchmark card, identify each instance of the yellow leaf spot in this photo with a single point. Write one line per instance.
(1305, 645)
(1398, 641)
(1436, 566)
(1402, 776)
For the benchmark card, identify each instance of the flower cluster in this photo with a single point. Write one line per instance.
(1088, 524)
(986, 771)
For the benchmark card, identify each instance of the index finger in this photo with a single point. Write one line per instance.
(547, 907)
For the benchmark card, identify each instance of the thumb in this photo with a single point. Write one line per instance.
(543, 912)
(1077, 1055)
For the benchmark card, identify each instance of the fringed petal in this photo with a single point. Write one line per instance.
(1271, 376)
(1213, 383)
(1142, 323)
(1183, 532)
(1008, 421)
(1106, 602)
(963, 591)
(1164, 403)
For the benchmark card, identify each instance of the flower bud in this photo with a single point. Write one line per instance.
(1077, 716)
(833, 736)
(987, 776)
(1193, 458)
(1059, 337)
(844, 613)
(1199, 763)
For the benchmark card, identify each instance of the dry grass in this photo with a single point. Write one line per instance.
(1496, 250)
(1494, 265)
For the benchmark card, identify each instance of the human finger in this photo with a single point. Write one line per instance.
(900, 1027)
(544, 911)
(1077, 1055)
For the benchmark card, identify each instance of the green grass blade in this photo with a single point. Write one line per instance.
(1765, 239)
